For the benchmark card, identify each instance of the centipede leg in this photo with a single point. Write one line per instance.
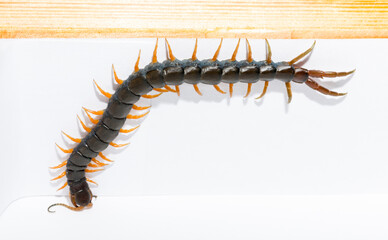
(328, 74)
(119, 81)
(269, 52)
(197, 89)
(302, 54)
(264, 90)
(219, 89)
(136, 69)
(314, 85)
(217, 52)
(106, 94)
(289, 92)
(248, 51)
(248, 90)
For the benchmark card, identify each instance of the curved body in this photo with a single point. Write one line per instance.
(174, 72)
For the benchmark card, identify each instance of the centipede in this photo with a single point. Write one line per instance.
(164, 77)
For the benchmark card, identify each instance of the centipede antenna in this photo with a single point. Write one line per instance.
(137, 62)
(169, 88)
(169, 54)
(104, 157)
(248, 51)
(264, 90)
(59, 176)
(119, 81)
(314, 85)
(302, 54)
(248, 90)
(64, 205)
(135, 107)
(219, 89)
(118, 145)
(160, 90)
(230, 89)
(194, 56)
(328, 74)
(87, 129)
(65, 150)
(129, 130)
(129, 116)
(235, 51)
(93, 112)
(62, 164)
(178, 92)
(289, 92)
(106, 94)
(63, 186)
(269, 52)
(197, 89)
(151, 96)
(154, 55)
(77, 140)
(217, 52)
(94, 121)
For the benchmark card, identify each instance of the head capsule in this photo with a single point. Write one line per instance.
(80, 195)
(301, 75)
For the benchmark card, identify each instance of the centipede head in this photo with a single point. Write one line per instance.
(81, 195)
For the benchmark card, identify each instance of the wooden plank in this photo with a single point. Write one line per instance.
(194, 18)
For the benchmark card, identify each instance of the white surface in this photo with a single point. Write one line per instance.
(301, 217)
(193, 145)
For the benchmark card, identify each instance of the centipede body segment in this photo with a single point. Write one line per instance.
(164, 77)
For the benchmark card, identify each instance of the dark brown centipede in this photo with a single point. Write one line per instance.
(159, 77)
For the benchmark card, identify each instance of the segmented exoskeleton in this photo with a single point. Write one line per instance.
(159, 77)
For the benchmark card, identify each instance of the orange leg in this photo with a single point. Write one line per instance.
(248, 51)
(219, 89)
(235, 51)
(289, 92)
(231, 89)
(65, 150)
(269, 52)
(87, 129)
(77, 140)
(137, 116)
(160, 90)
(217, 52)
(314, 85)
(106, 94)
(169, 88)
(63, 186)
(135, 107)
(94, 121)
(137, 62)
(194, 56)
(248, 90)
(119, 81)
(129, 130)
(93, 112)
(322, 74)
(100, 164)
(118, 145)
(59, 176)
(60, 165)
(152, 96)
(197, 89)
(178, 92)
(169, 54)
(264, 90)
(104, 157)
(91, 181)
(93, 170)
(302, 54)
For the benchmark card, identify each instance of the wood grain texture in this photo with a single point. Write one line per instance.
(194, 18)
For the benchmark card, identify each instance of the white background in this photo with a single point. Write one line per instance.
(205, 167)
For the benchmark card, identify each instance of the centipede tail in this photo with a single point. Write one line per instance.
(165, 77)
